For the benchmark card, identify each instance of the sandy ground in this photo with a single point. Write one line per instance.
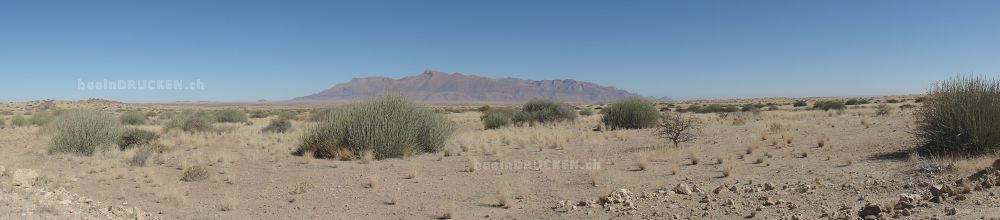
(785, 174)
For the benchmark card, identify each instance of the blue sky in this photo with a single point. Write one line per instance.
(276, 50)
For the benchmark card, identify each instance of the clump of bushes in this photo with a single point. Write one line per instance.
(961, 116)
(630, 114)
(278, 125)
(498, 117)
(828, 105)
(230, 116)
(712, 108)
(83, 132)
(190, 122)
(545, 111)
(800, 103)
(133, 118)
(586, 112)
(389, 126)
(135, 137)
(856, 102)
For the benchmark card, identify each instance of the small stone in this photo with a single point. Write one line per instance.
(682, 189)
(768, 187)
(937, 190)
(950, 211)
(870, 210)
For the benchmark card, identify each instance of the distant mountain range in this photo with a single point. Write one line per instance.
(441, 87)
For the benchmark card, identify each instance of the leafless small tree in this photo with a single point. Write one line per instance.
(679, 128)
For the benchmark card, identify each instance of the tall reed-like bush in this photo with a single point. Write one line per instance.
(961, 116)
(389, 126)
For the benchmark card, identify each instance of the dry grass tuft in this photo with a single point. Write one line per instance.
(194, 174)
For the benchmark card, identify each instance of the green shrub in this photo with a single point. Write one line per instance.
(190, 122)
(920, 99)
(892, 101)
(278, 125)
(133, 118)
(389, 126)
(800, 103)
(961, 116)
(135, 137)
(828, 105)
(230, 116)
(545, 111)
(19, 121)
(498, 117)
(712, 108)
(587, 112)
(41, 118)
(856, 102)
(83, 132)
(630, 114)
(6, 112)
(484, 108)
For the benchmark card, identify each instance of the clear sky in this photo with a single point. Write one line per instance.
(247, 50)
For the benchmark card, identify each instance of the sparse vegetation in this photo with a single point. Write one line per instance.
(230, 116)
(19, 121)
(42, 118)
(961, 116)
(198, 121)
(498, 117)
(195, 173)
(83, 132)
(544, 111)
(135, 137)
(679, 128)
(829, 105)
(132, 118)
(856, 102)
(388, 126)
(278, 125)
(800, 103)
(882, 110)
(630, 114)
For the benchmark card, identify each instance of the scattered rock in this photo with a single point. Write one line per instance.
(937, 190)
(870, 210)
(950, 211)
(682, 189)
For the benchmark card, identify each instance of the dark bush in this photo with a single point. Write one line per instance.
(630, 114)
(498, 117)
(135, 137)
(545, 111)
(278, 125)
(800, 103)
(389, 127)
(230, 116)
(828, 105)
